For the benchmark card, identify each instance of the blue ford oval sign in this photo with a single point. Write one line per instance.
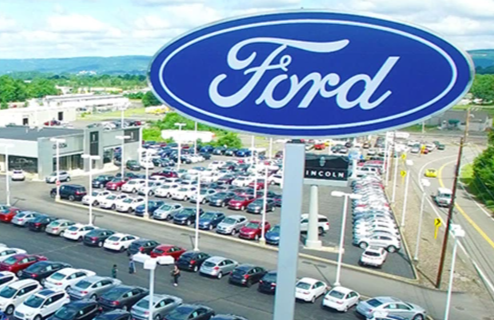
(308, 74)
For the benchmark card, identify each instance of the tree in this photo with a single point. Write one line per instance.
(483, 87)
(483, 171)
(230, 140)
(149, 99)
(4, 105)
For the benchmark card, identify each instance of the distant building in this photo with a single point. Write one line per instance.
(455, 120)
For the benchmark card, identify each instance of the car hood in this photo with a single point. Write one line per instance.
(272, 235)
(248, 230)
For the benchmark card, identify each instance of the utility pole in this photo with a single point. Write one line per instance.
(450, 217)
(467, 123)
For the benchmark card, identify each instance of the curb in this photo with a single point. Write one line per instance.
(249, 243)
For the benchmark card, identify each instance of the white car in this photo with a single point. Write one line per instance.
(363, 228)
(195, 158)
(157, 178)
(196, 171)
(133, 185)
(15, 293)
(322, 224)
(184, 193)
(242, 181)
(119, 242)
(373, 256)
(216, 164)
(41, 305)
(18, 175)
(276, 179)
(96, 197)
(380, 240)
(130, 204)
(166, 190)
(210, 176)
(202, 196)
(150, 189)
(66, 278)
(147, 163)
(6, 278)
(368, 232)
(341, 299)
(308, 289)
(6, 252)
(111, 201)
(77, 231)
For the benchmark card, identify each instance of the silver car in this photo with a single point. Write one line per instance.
(63, 177)
(167, 211)
(92, 287)
(231, 225)
(218, 267)
(163, 304)
(58, 227)
(392, 307)
(21, 218)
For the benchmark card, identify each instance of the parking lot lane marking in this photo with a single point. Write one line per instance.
(463, 213)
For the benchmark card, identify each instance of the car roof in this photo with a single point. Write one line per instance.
(308, 280)
(306, 215)
(342, 290)
(216, 259)
(386, 299)
(68, 271)
(94, 278)
(21, 283)
(46, 292)
(121, 235)
(236, 216)
(79, 304)
(444, 190)
(6, 274)
(374, 249)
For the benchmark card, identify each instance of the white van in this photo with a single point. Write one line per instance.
(14, 294)
(323, 224)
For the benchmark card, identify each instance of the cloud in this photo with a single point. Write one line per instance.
(7, 24)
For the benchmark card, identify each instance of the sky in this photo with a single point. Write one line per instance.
(75, 28)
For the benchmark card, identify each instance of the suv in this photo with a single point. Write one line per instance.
(73, 192)
(14, 294)
(443, 197)
(63, 176)
(322, 225)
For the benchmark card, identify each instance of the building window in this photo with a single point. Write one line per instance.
(23, 163)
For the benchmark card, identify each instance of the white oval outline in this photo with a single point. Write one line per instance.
(318, 21)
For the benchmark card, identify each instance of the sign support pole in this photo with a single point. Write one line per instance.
(284, 307)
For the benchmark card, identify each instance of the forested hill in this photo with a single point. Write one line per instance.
(483, 59)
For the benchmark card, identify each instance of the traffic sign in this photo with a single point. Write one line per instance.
(403, 173)
(58, 183)
(437, 223)
(404, 156)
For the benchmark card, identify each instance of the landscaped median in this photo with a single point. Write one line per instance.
(244, 242)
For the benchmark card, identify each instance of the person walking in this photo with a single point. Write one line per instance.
(132, 266)
(114, 271)
(175, 275)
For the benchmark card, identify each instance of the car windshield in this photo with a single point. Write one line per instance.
(20, 214)
(183, 189)
(94, 194)
(10, 261)
(303, 286)
(36, 267)
(209, 264)
(7, 292)
(374, 303)
(229, 221)
(116, 180)
(128, 200)
(34, 301)
(179, 314)
(372, 254)
(252, 225)
(112, 197)
(58, 276)
(165, 207)
(66, 313)
(238, 198)
(73, 228)
(336, 294)
(54, 224)
(83, 284)
(144, 304)
(275, 229)
(207, 215)
(114, 238)
(270, 277)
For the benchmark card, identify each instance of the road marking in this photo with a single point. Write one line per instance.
(463, 213)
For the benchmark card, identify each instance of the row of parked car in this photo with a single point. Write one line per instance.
(374, 226)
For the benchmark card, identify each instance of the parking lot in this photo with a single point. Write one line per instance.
(397, 263)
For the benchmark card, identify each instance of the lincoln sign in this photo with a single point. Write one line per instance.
(326, 170)
(310, 74)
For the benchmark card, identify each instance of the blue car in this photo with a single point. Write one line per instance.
(209, 220)
(273, 235)
(152, 207)
(207, 149)
(243, 153)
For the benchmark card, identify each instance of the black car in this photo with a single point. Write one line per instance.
(190, 312)
(246, 275)
(207, 148)
(115, 315)
(162, 162)
(77, 310)
(186, 216)
(268, 283)
(209, 220)
(277, 200)
(72, 192)
(226, 179)
(205, 155)
(219, 151)
(227, 317)
(42, 270)
(143, 246)
(257, 206)
(231, 152)
(97, 237)
(40, 222)
(192, 260)
(133, 165)
(121, 297)
(101, 181)
(221, 199)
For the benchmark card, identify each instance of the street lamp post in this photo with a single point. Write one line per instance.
(6, 146)
(270, 148)
(425, 184)
(195, 137)
(179, 160)
(196, 238)
(252, 145)
(57, 153)
(458, 233)
(264, 206)
(146, 188)
(395, 177)
(90, 159)
(352, 196)
(122, 161)
(150, 264)
(254, 165)
(409, 164)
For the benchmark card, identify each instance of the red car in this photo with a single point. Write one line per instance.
(115, 184)
(7, 213)
(240, 202)
(258, 186)
(253, 230)
(167, 250)
(19, 262)
(319, 146)
(166, 173)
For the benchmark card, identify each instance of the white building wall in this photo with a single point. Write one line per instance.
(36, 116)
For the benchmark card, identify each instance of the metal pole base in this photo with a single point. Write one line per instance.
(196, 249)
(57, 198)
(262, 241)
(313, 244)
(336, 284)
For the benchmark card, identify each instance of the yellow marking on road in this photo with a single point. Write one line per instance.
(463, 213)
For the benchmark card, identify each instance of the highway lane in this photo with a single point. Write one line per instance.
(218, 294)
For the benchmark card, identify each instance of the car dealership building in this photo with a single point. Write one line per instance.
(32, 149)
